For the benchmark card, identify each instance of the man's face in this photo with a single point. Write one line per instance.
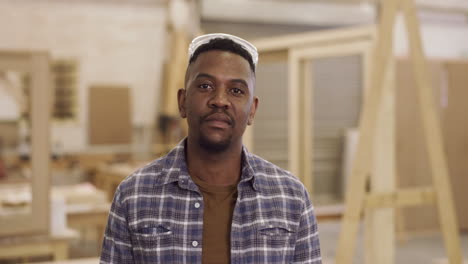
(218, 99)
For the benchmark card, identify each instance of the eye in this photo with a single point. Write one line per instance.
(205, 86)
(237, 91)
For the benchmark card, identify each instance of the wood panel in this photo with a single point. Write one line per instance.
(109, 115)
(449, 80)
(456, 133)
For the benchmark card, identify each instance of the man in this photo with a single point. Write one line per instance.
(209, 200)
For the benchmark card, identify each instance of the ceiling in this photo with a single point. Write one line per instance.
(452, 6)
(435, 4)
(321, 12)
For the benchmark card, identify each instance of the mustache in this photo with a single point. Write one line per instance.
(218, 111)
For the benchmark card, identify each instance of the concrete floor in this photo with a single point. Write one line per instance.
(415, 250)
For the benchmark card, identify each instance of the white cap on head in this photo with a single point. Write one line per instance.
(203, 39)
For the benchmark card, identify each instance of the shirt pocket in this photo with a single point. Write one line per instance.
(153, 244)
(275, 243)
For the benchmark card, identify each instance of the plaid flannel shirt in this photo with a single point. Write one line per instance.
(157, 216)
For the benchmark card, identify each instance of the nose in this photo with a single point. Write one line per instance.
(219, 99)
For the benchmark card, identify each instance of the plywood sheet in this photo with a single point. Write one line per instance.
(411, 153)
(449, 81)
(109, 115)
(455, 126)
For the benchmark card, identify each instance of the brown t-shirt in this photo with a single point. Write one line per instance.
(219, 202)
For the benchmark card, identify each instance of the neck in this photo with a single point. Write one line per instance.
(215, 168)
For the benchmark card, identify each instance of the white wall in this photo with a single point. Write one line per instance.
(114, 43)
(444, 36)
(317, 13)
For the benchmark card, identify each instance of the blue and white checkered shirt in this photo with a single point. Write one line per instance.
(157, 216)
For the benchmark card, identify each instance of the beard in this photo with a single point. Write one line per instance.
(214, 147)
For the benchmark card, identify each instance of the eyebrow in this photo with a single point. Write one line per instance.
(204, 75)
(209, 76)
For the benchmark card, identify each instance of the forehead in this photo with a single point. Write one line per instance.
(221, 63)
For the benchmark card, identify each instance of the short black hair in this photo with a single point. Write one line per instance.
(225, 45)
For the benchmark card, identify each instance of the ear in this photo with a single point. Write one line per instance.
(253, 110)
(181, 93)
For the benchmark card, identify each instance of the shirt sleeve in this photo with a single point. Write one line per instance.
(307, 242)
(117, 246)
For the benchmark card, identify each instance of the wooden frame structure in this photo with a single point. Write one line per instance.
(297, 50)
(37, 65)
(300, 99)
(357, 200)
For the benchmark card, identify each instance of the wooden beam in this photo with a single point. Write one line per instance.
(175, 73)
(433, 134)
(293, 113)
(313, 38)
(336, 49)
(401, 198)
(380, 242)
(307, 127)
(273, 56)
(356, 189)
(40, 144)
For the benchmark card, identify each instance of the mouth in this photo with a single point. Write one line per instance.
(218, 120)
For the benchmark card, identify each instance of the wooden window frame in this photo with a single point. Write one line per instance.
(301, 48)
(37, 64)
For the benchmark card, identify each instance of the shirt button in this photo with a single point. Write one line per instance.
(197, 205)
(194, 243)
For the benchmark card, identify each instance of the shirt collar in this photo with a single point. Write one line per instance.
(175, 168)
(248, 171)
